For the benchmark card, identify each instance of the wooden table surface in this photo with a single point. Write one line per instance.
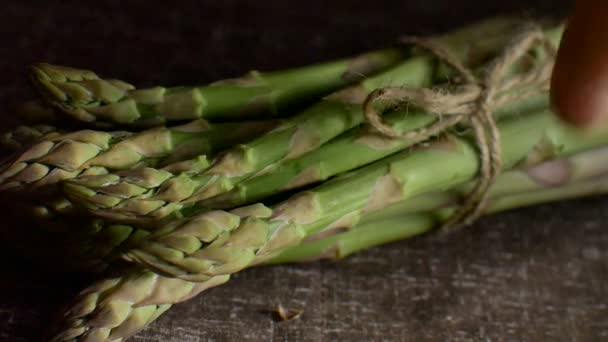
(538, 274)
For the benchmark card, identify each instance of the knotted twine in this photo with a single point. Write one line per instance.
(473, 104)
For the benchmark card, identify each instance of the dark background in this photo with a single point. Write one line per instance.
(537, 274)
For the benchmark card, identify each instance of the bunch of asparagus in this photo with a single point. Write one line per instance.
(170, 191)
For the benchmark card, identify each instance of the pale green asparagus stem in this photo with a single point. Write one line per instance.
(86, 245)
(218, 242)
(66, 156)
(134, 197)
(116, 308)
(356, 148)
(87, 237)
(110, 238)
(395, 228)
(158, 194)
(85, 328)
(82, 94)
(132, 301)
(85, 96)
(582, 174)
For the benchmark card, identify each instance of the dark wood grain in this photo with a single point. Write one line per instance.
(537, 274)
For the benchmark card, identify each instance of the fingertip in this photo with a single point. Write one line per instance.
(581, 109)
(579, 85)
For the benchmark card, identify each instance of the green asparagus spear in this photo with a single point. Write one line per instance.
(118, 307)
(135, 197)
(582, 174)
(217, 242)
(358, 147)
(138, 196)
(82, 94)
(133, 300)
(95, 244)
(69, 155)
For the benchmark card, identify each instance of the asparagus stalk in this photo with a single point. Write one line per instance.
(85, 96)
(394, 228)
(353, 149)
(218, 242)
(118, 307)
(133, 316)
(96, 244)
(358, 147)
(423, 120)
(133, 197)
(582, 174)
(120, 196)
(127, 307)
(85, 240)
(69, 155)
(375, 153)
(82, 94)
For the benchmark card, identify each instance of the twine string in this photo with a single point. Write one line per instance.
(473, 104)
